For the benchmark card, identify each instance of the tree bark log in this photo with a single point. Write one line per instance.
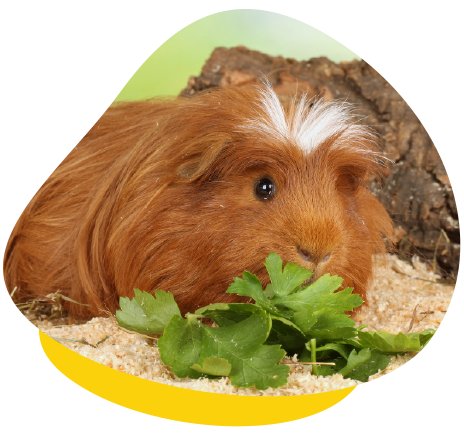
(417, 193)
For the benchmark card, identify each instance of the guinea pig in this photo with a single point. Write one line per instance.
(185, 194)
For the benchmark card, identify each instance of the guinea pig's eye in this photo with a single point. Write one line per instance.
(265, 188)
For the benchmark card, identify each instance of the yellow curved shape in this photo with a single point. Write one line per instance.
(181, 404)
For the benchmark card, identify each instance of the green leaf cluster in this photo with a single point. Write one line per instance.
(247, 342)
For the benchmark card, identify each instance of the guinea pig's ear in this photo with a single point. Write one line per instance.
(358, 170)
(349, 178)
(199, 162)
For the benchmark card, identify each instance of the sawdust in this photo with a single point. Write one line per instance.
(404, 297)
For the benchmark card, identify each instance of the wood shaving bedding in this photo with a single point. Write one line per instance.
(403, 297)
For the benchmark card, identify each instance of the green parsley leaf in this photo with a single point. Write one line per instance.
(319, 309)
(187, 343)
(394, 343)
(331, 326)
(287, 334)
(321, 294)
(181, 344)
(287, 281)
(145, 313)
(216, 366)
(343, 350)
(250, 286)
(361, 365)
(224, 314)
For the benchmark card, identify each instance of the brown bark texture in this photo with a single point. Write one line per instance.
(417, 193)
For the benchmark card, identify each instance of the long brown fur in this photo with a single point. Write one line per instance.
(160, 194)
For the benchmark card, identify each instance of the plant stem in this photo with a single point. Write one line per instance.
(313, 356)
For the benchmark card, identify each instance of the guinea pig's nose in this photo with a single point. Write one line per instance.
(308, 256)
(305, 254)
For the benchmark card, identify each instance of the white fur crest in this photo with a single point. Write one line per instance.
(309, 123)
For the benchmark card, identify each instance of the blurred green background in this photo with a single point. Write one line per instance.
(167, 70)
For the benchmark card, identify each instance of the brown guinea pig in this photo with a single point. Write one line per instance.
(186, 194)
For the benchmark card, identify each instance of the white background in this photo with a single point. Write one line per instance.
(62, 63)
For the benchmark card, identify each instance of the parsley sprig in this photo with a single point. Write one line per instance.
(247, 342)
